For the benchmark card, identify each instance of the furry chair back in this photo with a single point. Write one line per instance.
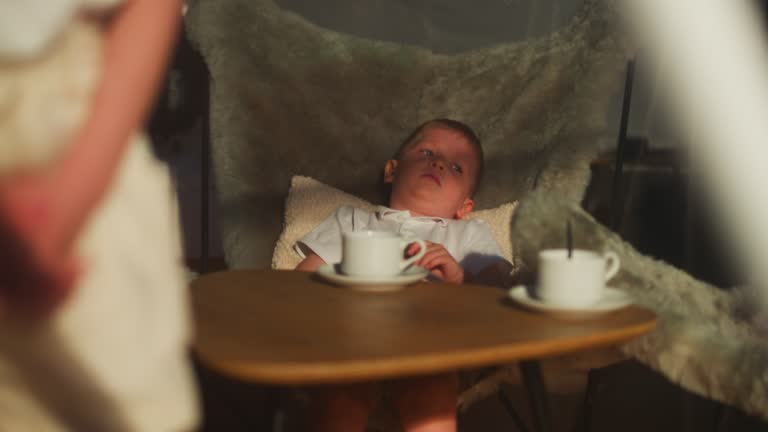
(289, 97)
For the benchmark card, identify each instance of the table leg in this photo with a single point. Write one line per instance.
(537, 394)
(589, 395)
(274, 409)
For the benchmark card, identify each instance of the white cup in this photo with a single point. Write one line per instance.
(377, 253)
(578, 281)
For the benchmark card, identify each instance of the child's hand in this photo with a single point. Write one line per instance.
(439, 262)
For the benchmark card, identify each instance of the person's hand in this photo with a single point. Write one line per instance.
(439, 262)
(38, 269)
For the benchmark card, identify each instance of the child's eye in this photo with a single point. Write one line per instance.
(427, 152)
(457, 168)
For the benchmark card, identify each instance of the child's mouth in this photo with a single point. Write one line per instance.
(433, 177)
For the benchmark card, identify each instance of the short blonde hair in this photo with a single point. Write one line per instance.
(467, 132)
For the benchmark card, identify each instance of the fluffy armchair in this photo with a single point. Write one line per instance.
(289, 97)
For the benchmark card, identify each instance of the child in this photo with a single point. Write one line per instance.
(433, 176)
(93, 320)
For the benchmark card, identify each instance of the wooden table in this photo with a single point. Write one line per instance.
(292, 328)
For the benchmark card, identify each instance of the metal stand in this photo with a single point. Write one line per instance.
(205, 162)
(616, 206)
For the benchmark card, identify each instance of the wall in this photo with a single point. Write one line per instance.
(455, 26)
(443, 26)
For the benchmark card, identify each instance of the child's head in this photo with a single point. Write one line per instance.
(436, 170)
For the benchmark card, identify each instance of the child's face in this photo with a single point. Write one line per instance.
(434, 176)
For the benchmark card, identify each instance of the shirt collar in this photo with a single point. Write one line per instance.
(383, 212)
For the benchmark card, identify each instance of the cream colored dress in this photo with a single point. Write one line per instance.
(115, 357)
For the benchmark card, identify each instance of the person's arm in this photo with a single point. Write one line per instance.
(311, 263)
(138, 42)
(444, 266)
(439, 262)
(323, 244)
(43, 211)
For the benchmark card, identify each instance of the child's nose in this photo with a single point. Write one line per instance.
(438, 163)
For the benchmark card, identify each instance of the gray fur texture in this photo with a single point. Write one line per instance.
(289, 97)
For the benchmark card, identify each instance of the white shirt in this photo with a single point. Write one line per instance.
(27, 26)
(470, 242)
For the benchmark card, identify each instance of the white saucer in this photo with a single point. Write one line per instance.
(377, 284)
(612, 300)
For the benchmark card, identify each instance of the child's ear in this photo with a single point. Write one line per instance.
(389, 171)
(465, 209)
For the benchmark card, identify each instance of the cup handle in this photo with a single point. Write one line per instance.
(419, 254)
(612, 264)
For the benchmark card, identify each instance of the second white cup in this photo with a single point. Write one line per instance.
(377, 253)
(578, 281)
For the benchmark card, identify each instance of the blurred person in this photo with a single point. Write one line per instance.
(93, 314)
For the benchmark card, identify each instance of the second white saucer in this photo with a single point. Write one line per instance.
(377, 284)
(612, 300)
